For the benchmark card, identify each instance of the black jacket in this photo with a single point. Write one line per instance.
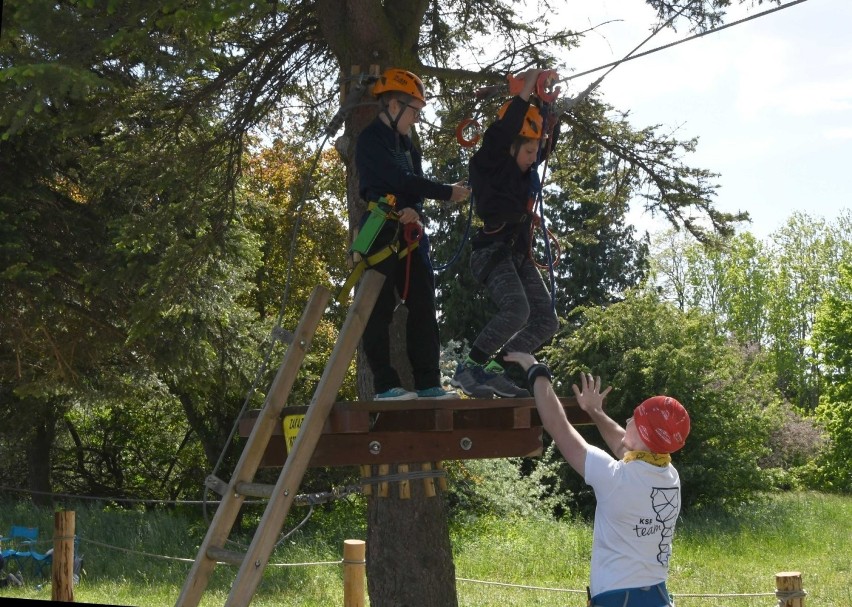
(501, 191)
(387, 168)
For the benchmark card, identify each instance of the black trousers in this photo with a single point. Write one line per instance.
(422, 345)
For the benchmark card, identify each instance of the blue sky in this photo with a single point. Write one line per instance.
(769, 99)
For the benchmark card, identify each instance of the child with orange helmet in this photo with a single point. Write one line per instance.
(503, 178)
(388, 162)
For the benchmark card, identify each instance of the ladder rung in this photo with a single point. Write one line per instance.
(217, 485)
(255, 489)
(220, 555)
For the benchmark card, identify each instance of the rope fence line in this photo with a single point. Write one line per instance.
(187, 560)
(519, 586)
(303, 499)
(783, 596)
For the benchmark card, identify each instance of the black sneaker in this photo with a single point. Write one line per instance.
(505, 387)
(472, 379)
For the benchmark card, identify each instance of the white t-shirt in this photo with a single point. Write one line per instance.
(637, 507)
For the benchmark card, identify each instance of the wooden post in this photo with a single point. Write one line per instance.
(788, 589)
(442, 480)
(354, 572)
(384, 470)
(428, 483)
(366, 472)
(62, 572)
(404, 487)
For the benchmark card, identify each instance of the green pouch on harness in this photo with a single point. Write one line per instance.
(379, 212)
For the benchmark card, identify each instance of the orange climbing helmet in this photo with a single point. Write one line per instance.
(400, 81)
(533, 123)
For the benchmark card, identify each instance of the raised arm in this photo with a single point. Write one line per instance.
(572, 446)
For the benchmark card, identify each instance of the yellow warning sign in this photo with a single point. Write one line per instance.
(291, 425)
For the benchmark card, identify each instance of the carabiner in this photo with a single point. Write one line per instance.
(543, 86)
(468, 143)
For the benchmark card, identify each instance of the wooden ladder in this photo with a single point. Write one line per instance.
(281, 496)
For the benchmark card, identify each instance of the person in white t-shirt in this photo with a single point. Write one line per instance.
(638, 494)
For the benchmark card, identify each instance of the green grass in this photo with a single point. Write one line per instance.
(715, 553)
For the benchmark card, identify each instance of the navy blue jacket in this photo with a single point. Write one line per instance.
(385, 168)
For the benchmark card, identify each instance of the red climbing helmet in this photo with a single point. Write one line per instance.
(663, 423)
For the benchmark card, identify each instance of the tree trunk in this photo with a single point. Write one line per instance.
(409, 556)
(398, 575)
(42, 436)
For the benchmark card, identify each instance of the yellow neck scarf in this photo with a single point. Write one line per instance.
(655, 459)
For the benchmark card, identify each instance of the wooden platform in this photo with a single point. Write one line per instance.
(411, 431)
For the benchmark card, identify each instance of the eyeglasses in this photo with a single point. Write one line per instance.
(415, 109)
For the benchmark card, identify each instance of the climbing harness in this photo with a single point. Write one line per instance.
(381, 212)
(537, 124)
(551, 110)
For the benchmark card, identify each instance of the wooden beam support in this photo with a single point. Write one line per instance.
(422, 430)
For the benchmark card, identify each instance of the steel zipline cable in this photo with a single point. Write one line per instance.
(630, 56)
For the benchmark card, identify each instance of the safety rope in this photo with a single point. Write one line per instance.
(462, 242)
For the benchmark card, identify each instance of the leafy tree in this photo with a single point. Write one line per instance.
(643, 346)
(763, 295)
(833, 345)
(127, 266)
(670, 267)
(745, 297)
(586, 204)
(805, 262)
(297, 217)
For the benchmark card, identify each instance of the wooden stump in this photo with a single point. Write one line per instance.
(788, 588)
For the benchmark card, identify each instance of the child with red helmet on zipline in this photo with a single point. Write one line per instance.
(503, 178)
(637, 494)
(388, 162)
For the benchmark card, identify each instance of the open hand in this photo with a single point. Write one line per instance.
(589, 395)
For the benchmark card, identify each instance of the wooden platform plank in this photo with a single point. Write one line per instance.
(413, 447)
(421, 430)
